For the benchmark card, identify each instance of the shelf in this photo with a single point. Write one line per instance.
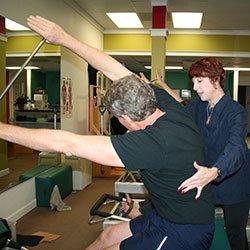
(36, 118)
(27, 124)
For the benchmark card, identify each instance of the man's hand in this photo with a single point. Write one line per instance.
(49, 30)
(199, 180)
(135, 210)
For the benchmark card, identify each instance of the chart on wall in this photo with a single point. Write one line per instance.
(66, 97)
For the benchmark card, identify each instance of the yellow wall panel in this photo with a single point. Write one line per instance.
(25, 44)
(127, 42)
(178, 42)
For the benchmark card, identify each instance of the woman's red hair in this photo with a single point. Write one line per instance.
(208, 67)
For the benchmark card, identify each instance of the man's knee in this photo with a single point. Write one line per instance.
(107, 235)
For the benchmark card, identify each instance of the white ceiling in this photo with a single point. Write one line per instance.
(219, 15)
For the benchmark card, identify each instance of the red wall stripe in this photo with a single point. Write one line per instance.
(159, 17)
(2, 25)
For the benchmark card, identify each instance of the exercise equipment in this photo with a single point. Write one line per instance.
(130, 183)
(220, 240)
(22, 68)
(45, 182)
(116, 214)
(102, 109)
(36, 170)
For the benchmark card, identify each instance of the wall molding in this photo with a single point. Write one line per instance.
(180, 53)
(182, 32)
(28, 54)
(22, 211)
(18, 200)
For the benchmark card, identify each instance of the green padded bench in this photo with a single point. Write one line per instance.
(220, 240)
(36, 170)
(45, 182)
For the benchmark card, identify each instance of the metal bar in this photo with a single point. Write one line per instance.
(22, 67)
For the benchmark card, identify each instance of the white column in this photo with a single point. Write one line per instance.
(236, 85)
(28, 74)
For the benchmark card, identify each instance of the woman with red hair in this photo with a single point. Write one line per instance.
(222, 122)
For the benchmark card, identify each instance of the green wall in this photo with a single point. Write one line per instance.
(3, 144)
(37, 81)
(50, 81)
(53, 86)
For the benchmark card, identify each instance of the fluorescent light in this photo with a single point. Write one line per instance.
(187, 20)
(125, 19)
(18, 67)
(11, 25)
(31, 67)
(166, 67)
(173, 67)
(239, 69)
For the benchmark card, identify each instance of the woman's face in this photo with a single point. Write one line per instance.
(204, 87)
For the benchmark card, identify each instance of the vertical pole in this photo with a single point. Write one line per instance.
(158, 34)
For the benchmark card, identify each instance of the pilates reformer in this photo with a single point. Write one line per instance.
(130, 183)
(108, 209)
(127, 183)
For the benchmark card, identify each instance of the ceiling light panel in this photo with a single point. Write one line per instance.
(11, 25)
(187, 20)
(126, 20)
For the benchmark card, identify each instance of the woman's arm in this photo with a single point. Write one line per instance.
(228, 162)
(234, 153)
(163, 85)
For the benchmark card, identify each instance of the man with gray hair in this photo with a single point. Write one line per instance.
(162, 144)
(120, 98)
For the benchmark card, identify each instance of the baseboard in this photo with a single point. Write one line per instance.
(4, 172)
(22, 211)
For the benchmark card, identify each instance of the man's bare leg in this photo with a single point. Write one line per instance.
(114, 247)
(111, 237)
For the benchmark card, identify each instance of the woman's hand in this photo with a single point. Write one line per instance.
(159, 78)
(199, 180)
(144, 78)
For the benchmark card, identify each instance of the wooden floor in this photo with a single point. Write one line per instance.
(72, 225)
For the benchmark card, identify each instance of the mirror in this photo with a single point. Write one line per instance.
(30, 103)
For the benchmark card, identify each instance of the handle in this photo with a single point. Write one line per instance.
(22, 67)
(94, 210)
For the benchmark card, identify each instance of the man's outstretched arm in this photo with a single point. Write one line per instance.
(98, 59)
(94, 148)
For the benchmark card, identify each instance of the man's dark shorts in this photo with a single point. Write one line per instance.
(152, 232)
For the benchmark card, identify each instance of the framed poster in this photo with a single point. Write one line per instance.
(66, 97)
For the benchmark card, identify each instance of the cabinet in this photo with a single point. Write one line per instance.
(36, 118)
